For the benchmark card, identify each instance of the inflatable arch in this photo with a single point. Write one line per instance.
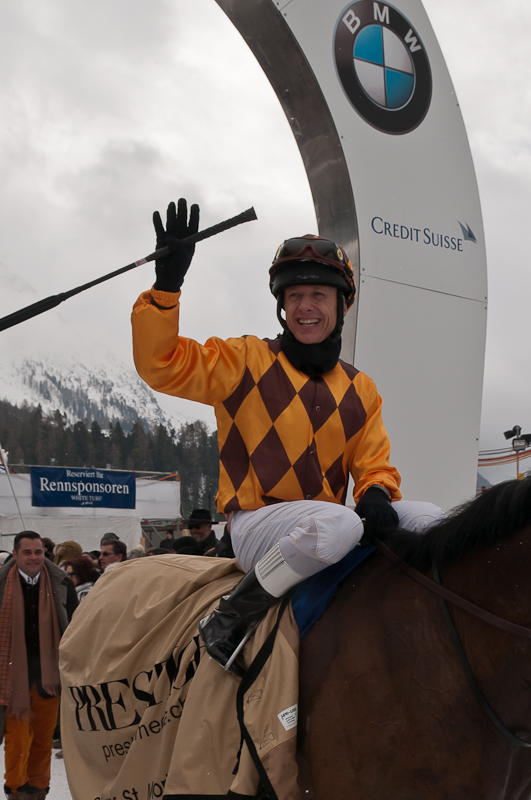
(370, 102)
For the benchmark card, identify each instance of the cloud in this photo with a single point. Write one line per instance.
(110, 110)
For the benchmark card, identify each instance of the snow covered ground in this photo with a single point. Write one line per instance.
(58, 784)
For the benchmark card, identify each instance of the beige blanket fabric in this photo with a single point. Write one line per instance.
(145, 711)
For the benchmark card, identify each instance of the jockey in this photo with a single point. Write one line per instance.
(294, 422)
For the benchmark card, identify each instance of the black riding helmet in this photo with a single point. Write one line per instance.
(312, 260)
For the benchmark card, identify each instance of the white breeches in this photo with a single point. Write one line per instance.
(313, 534)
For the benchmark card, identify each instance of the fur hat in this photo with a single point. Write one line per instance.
(136, 552)
(66, 551)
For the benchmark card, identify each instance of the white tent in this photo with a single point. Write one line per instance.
(86, 525)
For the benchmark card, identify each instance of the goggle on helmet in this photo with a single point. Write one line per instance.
(312, 260)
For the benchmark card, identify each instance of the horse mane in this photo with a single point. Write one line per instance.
(493, 516)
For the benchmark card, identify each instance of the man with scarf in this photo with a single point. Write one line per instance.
(37, 600)
(294, 421)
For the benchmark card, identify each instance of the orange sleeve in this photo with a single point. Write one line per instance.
(369, 462)
(177, 366)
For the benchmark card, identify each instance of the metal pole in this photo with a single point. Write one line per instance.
(4, 464)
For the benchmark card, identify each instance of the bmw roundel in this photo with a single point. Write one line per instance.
(382, 65)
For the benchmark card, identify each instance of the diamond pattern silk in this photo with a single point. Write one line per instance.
(282, 435)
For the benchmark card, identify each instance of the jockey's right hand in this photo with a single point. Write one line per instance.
(171, 270)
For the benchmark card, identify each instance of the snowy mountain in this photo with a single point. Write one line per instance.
(61, 365)
(81, 391)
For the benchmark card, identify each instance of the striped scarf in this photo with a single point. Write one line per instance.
(14, 683)
(6, 612)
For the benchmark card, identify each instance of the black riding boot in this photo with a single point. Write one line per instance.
(223, 629)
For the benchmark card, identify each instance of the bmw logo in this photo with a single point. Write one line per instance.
(382, 66)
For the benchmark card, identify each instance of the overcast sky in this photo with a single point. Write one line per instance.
(111, 109)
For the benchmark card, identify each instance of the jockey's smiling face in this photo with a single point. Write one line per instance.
(311, 312)
(29, 556)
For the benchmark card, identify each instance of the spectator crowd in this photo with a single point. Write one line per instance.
(41, 585)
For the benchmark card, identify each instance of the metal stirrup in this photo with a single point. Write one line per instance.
(240, 647)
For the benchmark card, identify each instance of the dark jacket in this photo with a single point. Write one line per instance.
(167, 544)
(208, 544)
(222, 547)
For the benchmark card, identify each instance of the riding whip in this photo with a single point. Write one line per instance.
(51, 302)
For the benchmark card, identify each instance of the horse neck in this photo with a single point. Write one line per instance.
(495, 577)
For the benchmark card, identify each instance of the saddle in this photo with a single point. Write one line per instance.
(312, 597)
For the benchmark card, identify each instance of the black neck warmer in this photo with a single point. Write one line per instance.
(312, 359)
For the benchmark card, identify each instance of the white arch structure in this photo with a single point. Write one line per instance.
(371, 105)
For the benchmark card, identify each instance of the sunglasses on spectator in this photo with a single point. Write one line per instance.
(196, 525)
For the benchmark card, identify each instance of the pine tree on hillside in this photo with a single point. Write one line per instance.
(139, 447)
(164, 455)
(117, 440)
(58, 438)
(195, 459)
(192, 452)
(81, 445)
(98, 445)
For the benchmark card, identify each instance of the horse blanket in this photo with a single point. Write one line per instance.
(146, 713)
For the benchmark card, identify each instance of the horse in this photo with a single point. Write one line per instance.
(385, 709)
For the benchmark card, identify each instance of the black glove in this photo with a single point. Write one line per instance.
(377, 513)
(172, 269)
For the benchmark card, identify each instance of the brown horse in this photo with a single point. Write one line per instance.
(386, 712)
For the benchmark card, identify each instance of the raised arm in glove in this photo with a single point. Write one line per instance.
(171, 270)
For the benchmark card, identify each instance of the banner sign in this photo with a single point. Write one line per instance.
(81, 487)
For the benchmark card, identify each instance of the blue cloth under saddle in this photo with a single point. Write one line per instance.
(312, 597)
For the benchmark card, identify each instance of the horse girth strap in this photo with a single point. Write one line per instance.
(451, 597)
